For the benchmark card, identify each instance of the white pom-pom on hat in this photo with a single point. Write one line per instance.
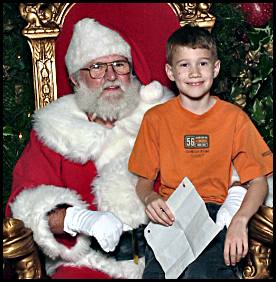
(152, 92)
(91, 40)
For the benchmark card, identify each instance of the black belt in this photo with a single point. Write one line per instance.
(131, 245)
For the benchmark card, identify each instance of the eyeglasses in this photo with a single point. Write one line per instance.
(98, 70)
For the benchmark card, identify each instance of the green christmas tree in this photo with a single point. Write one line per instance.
(245, 78)
(18, 99)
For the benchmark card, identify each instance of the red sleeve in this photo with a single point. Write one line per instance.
(37, 165)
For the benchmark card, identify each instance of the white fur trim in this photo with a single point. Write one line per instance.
(115, 191)
(32, 206)
(117, 269)
(92, 40)
(66, 130)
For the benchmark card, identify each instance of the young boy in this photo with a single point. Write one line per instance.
(199, 136)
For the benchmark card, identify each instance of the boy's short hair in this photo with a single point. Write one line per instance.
(193, 37)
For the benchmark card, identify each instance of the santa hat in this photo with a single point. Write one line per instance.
(91, 40)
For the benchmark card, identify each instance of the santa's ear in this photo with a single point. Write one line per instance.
(169, 72)
(74, 79)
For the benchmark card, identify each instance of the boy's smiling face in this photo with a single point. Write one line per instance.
(193, 71)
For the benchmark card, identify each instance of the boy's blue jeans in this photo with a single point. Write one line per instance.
(208, 265)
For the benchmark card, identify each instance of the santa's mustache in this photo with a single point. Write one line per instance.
(114, 84)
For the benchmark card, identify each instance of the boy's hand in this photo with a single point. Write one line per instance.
(157, 210)
(236, 241)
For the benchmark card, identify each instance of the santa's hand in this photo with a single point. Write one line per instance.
(104, 226)
(230, 206)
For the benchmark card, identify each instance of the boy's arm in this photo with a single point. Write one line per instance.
(156, 208)
(236, 242)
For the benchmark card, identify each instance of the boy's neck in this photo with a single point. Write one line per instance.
(199, 106)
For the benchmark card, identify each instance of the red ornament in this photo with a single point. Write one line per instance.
(257, 14)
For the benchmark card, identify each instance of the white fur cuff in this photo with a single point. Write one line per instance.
(32, 205)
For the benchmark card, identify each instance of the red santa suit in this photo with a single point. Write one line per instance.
(70, 160)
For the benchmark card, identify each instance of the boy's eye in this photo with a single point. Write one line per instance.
(204, 63)
(184, 65)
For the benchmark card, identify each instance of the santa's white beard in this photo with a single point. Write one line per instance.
(111, 106)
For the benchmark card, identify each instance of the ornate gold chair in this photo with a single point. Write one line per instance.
(48, 30)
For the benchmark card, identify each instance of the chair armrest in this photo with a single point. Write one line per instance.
(260, 232)
(20, 251)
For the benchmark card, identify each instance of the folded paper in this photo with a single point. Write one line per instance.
(176, 246)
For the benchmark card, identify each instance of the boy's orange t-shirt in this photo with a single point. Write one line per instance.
(179, 143)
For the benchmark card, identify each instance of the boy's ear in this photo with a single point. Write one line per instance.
(168, 69)
(216, 68)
